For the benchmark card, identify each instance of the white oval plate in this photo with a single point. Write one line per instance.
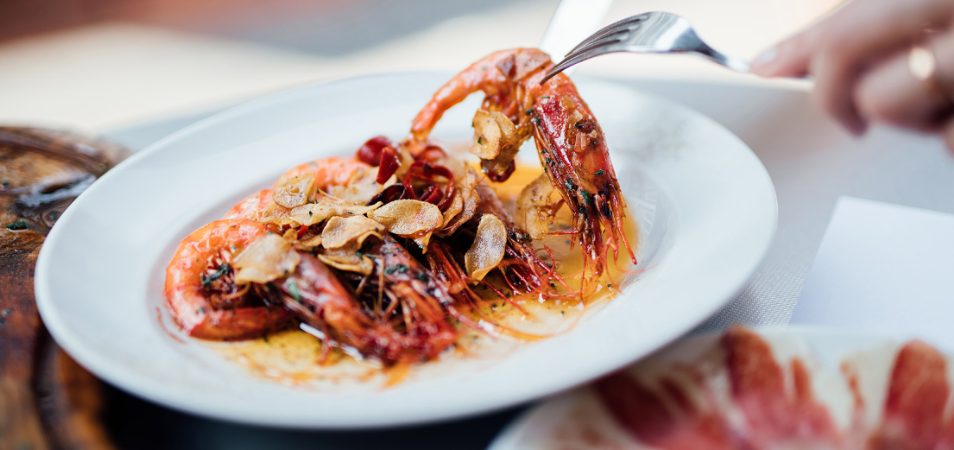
(579, 419)
(704, 203)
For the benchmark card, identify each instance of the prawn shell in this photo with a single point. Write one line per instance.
(186, 298)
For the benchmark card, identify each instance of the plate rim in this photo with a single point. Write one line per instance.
(512, 430)
(102, 366)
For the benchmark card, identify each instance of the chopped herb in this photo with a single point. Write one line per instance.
(562, 312)
(529, 112)
(549, 161)
(421, 276)
(292, 288)
(599, 172)
(309, 213)
(535, 120)
(397, 268)
(570, 185)
(4, 314)
(480, 140)
(581, 209)
(587, 197)
(200, 310)
(544, 97)
(53, 215)
(219, 272)
(18, 224)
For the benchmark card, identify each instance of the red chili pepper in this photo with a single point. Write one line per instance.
(431, 154)
(390, 194)
(388, 163)
(495, 176)
(302, 230)
(448, 197)
(424, 171)
(408, 189)
(431, 194)
(370, 151)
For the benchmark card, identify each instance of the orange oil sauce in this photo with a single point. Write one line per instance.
(552, 316)
(296, 358)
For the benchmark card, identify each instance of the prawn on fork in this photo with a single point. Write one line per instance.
(569, 141)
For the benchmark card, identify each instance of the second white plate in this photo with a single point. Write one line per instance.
(705, 206)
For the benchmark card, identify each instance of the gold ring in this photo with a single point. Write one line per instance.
(923, 65)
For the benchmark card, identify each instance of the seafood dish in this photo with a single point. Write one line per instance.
(748, 389)
(394, 253)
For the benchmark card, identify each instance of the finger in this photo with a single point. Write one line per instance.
(854, 37)
(853, 32)
(892, 93)
(788, 58)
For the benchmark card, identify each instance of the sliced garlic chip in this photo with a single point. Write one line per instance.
(347, 259)
(536, 206)
(408, 217)
(469, 200)
(310, 243)
(423, 241)
(341, 231)
(488, 248)
(325, 208)
(294, 191)
(455, 208)
(493, 132)
(264, 260)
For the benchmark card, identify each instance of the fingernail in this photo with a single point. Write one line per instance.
(857, 128)
(765, 59)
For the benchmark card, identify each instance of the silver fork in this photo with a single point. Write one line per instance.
(652, 32)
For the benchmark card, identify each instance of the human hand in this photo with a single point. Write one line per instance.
(889, 61)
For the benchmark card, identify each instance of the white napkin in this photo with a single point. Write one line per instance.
(883, 268)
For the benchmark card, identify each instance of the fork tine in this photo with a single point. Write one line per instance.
(604, 42)
(615, 27)
(621, 29)
(609, 30)
(578, 58)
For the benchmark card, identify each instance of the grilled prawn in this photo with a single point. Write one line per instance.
(233, 279)
(201, 290)
(569, 142)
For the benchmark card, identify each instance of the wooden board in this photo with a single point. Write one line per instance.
(47, 401)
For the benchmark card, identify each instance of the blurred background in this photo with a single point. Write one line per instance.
(96, 65)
